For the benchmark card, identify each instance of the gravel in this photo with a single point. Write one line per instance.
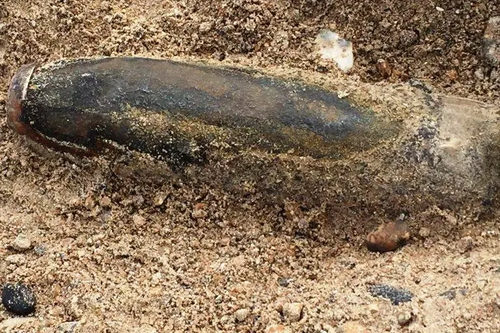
(395, 295)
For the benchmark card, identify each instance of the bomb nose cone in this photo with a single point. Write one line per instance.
(16, 95)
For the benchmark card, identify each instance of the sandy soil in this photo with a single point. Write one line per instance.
(119, 255)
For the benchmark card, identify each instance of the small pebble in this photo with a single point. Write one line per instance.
(384, 68)
(420, 85)
(18, 299)
(241, 315)
(21, 243)
(452, 293)
(293, 311)
(68, 327)
(205, 27)
(404, 318)
(138, 220)
(160, 199)
(465, 244)
(424, 232)
(283, 282)
(373, 308)
(198, 214)
(396, 296)
(40, 249)
(388, 237)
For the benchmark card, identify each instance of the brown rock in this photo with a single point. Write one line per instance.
(384, 68)
(452, 75)
(388, 237)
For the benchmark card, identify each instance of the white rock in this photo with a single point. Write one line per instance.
(332, 47)
(293, 311)
(241, 315)
(21, 243)
(404, 318)
(373, 308)
(68, 327)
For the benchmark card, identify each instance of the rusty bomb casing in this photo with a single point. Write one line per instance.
(180, 112)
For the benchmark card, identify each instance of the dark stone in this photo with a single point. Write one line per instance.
(396, 296)
(283, 282)
(452, 293)
(420, 85)
(18, 299)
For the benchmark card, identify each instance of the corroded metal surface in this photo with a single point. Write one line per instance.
(181, 112)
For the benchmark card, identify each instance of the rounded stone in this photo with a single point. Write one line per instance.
(404, 318)
(293, 311)
(18, 299)
(21, 243)
(241, 315)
